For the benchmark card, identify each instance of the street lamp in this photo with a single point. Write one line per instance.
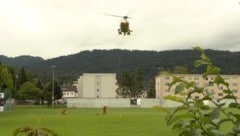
(53, 85)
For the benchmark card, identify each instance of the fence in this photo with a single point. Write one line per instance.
(118, 102)
(127, 103)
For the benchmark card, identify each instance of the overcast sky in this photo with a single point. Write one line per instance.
(52, 28)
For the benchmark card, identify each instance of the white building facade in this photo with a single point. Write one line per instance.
(97, 85)
(69, 91)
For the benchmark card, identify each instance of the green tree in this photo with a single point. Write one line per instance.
(130, 83)
(137, 84)
(57, 91)
(21, 77)
(5, 78)
(151, 93)
(124, 81)
(194, 117)
(6, 82)
(29, 91)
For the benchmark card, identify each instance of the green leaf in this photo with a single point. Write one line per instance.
(234, 105)
(206, 98)
(215, 113)
(179, 88)
(237, 116)
(190, 84)
(176, 126)
(219, 80)
(212, 70)
(227, 91)
(217, 133)
(205, 57)
(236, 129)
(205, 120)
(224, 121)
(182, 116)
(229, 97)
(174, 81)
(198, 63)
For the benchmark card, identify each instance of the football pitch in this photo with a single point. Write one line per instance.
(88, 121)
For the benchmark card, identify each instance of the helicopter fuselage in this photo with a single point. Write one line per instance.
(124, 28)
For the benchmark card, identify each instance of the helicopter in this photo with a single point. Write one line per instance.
(124, 25)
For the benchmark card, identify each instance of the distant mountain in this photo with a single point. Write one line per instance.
(20, 61)
(71, 66)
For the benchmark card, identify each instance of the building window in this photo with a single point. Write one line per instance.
(196, 97)
(220, 88)
(220, 94)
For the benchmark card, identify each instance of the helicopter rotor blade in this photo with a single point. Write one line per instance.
(125, 17)
(113, 15)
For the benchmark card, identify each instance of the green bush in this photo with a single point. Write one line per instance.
(33, 131)
(193, 117)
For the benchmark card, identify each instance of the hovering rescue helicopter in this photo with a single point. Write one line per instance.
(124, 25)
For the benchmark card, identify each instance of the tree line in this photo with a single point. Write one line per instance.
(123, 62)
(20, 84)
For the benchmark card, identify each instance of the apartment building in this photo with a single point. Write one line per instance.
(97, 85)
(162, 83)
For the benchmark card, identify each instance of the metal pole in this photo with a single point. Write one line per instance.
(161, 90)
(53, 86)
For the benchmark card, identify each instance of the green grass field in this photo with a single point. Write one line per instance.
(88, 122)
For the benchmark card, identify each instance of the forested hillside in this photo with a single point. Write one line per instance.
(71, 66)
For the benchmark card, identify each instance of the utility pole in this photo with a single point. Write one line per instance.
(53, 85)
(161, 90)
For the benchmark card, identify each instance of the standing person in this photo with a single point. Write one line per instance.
(104, 109)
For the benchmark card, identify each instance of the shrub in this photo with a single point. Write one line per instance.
(194, 117)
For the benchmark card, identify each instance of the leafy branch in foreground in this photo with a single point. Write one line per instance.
(196, 118)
